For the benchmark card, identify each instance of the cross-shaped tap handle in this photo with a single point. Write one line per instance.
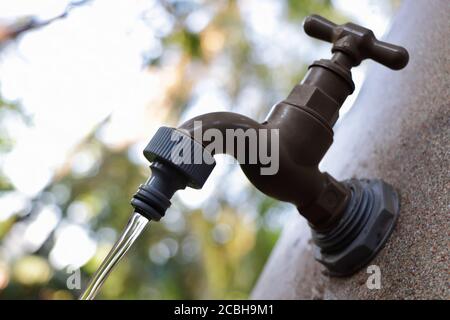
(356, 42)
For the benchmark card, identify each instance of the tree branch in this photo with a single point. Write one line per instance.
(13, 31)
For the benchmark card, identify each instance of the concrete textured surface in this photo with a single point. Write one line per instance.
(398, 130)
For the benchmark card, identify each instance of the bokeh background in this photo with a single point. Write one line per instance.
(83, 87)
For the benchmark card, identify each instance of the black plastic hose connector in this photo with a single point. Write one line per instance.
(183, 153)
(178, 161)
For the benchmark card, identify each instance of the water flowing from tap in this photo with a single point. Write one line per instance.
(134, 228)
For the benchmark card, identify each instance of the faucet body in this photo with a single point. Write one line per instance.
(304, 137)
(352, 219)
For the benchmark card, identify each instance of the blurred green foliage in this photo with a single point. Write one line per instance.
(7, 109)
(200, 264)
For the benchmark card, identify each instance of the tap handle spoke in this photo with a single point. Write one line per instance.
(357, 42)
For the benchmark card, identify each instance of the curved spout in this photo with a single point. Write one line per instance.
(319, 198)
(221, 121)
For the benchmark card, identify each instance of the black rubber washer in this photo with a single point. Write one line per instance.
(150, 202)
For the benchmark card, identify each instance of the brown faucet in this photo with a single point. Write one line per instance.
(337, 211)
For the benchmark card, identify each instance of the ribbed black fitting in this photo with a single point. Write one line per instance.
(152, 199)
(150, 202)
(176, 148)
(178, 161)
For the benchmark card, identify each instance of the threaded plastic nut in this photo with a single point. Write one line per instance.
(183, 153)
(363, 230)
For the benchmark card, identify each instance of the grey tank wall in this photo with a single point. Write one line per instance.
(398, 130)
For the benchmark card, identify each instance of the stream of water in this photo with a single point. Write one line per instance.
(134, 228)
